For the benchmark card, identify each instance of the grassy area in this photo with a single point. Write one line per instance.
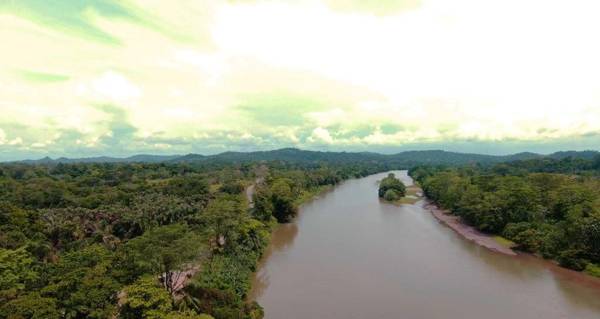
(413, 191)
(592, 270)
(413, 195)
(504, 242)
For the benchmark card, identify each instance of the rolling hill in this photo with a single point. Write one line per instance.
(294, 155)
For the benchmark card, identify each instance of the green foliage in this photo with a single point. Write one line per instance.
(572, 258)
(16, 225)
(227, 273)
(254, 235)
(593, 270)
(567, 163)
(222, 219)
(263, 203)
(391, 195)
(554, 215)
(63, 228)
(145, 298)
(282, 198)
(391, 188)
(164, 250)
(186, 186)
(72, 236)
(232, 187)
(254, 311)
(186, 315)
(16, 272)
(81, 283)
(31, 306)
(221, 288)
(527, 235)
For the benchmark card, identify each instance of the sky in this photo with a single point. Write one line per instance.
(107, 77)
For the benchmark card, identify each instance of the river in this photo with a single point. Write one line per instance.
(349, 255)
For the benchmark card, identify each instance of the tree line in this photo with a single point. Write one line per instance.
(554, 215)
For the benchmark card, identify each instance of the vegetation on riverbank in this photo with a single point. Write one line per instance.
(505, 242)
(556, 216)
(114, 240)
(102, 240)
(309, 194)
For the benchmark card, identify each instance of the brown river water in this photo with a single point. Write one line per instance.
(348, 255)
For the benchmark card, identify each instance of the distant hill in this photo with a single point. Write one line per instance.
(285, 154)
(407, 158)
(574, 154)
(293, 155)
(142, 158)
(452, 158)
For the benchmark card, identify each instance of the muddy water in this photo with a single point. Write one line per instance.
(348, 255)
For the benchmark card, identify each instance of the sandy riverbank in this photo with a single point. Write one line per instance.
(468, 232)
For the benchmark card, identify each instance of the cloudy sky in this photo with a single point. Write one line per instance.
(107, 77)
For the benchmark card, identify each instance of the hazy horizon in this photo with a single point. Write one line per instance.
(118, 78)
(275, 149)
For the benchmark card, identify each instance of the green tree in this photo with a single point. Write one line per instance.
(263, 203)
(190, 186)
(31, 306)
(82, 284)
(222, 219)
(164, 251)
(16, 272)
(391, 195)
(145, 299)
(232, 187)
(284, 208)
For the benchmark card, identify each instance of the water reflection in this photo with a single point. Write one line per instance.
(282, 239)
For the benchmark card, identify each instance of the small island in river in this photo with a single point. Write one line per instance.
(391, 188)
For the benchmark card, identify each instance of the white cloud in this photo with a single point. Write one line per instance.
(463, 55)
(320, 134)
(111, 86)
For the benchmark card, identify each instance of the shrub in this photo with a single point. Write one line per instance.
(571, 259)
(593, 270)
(391, 195)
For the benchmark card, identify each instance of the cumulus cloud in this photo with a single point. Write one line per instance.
(111, 86)
(320, 134)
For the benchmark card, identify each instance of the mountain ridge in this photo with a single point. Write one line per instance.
(299, 155)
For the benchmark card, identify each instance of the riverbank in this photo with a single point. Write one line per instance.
(283, 232)
(312, 193)
(491, 242)
(469, 232)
